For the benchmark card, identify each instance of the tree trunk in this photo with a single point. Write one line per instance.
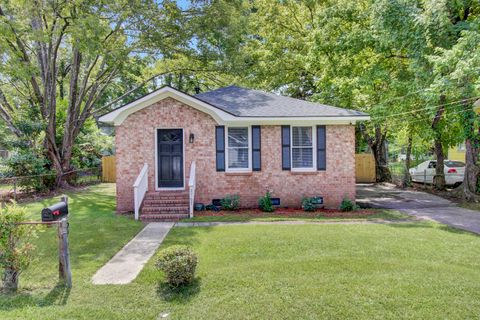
(10, 280)
(406, 175)
(409, 152)
(380, 153)
(472, 171)
(378, 146)
(439, 179)
(381, 163)
(472, 168)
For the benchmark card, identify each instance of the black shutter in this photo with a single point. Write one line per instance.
(256, 157)
(321, 148)
(286, 148)
(220, 147)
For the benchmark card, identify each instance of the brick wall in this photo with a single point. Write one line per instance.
(135, 145)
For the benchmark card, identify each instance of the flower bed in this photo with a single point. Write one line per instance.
(294, 214)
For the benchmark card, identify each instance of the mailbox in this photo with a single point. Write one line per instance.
(55, 212)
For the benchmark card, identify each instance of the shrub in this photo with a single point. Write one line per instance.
(27, 163)
(230, 202)
(16, 245)
(179, 264)
(265, 203)
(309, 204)
(347, 205)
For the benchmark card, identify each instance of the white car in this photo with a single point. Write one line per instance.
(425, 171)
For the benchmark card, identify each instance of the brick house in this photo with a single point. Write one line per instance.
(173, 150)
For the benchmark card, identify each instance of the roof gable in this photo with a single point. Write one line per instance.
(235, 105)
(118, 115)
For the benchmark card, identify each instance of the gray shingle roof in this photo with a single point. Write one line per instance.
(253, 103)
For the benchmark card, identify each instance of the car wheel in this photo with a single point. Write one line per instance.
(457, 184)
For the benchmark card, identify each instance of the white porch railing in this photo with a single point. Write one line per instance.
(140, 187)
(191, 188)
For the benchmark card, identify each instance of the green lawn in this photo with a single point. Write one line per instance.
(246, 215)
(408, 270)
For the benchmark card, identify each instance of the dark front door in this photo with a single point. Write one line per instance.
(170, 158)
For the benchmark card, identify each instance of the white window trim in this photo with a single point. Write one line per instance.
(249, 138)
(314, 151)
(157, 187)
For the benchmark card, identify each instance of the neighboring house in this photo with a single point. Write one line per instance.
(242, 141)
(457, 153)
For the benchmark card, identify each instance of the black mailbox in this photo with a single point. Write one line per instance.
(55, 212)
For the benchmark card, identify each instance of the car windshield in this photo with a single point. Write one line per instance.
(454, 164)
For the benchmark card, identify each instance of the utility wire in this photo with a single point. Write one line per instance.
(457, 102)
(426, 119)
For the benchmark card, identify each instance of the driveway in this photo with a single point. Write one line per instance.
(419, 204)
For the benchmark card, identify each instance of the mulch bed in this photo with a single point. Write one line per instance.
(289, 212)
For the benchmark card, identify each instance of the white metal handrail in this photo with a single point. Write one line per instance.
(140, 188)
(191, 186)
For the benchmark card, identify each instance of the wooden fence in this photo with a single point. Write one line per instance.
(108, 169)
(365, 167)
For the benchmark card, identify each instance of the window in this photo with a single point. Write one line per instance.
(302, 148)
(238, 149)
(454, 164)
(461, 147)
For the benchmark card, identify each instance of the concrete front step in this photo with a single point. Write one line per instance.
(166, 203)
(165, 206)
(167, 195)
(162, 217)
(164, 209)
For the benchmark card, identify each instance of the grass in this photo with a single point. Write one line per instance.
(407, 270)
(249, 215)
(6, 187)
(470, 205)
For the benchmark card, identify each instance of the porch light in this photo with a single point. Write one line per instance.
(191, 138)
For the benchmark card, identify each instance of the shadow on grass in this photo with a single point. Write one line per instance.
(430, 225)
(451, 229)
(189, 236)
(181, 294)
(410, 225)
(57, 296)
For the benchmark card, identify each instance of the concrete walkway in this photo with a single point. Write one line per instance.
(418, 204)
(124, 267)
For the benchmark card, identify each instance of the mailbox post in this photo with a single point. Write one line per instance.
(58, 213)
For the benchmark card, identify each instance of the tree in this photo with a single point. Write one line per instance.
(457, 73)
(416, 32)
(71, 52)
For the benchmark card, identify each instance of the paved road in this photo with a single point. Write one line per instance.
(419, 204)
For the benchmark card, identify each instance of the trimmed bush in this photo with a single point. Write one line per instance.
(309, 204)
(179, 264)
(230, 202)
(265, 203)
(347, 205)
